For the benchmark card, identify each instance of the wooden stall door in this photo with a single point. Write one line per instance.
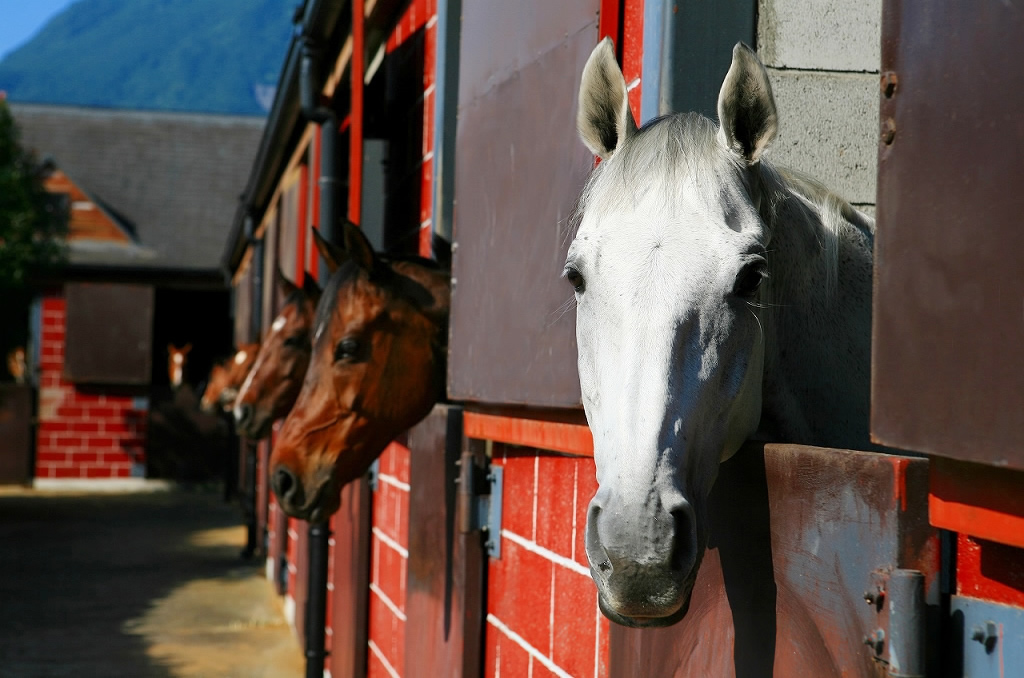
(948, 373)
(445, 585)
(16, 433)
(799, 536)
(519, 166)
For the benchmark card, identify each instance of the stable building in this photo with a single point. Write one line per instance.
(145, 193)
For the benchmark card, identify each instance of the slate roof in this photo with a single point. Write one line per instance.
(172, 179)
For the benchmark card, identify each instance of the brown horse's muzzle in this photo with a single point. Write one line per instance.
(314, 502)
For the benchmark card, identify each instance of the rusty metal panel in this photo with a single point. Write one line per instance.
(518, 169)
(799, 535)
(109, 333)
(445, 585)
(15, 433)
(948, 368)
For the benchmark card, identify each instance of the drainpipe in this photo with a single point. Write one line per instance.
(254, 540)
(315, 110)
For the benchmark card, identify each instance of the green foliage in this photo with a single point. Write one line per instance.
(32, 223)
(175, 55)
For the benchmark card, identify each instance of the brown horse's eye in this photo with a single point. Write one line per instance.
(750, 278)
(347, 350)
(575, 279)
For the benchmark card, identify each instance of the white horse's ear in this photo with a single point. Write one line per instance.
(746, 107)
(604, 120)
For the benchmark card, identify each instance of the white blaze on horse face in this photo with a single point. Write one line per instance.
(275, 327)
(670, 360)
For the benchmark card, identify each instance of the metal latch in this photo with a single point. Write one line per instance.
(479, 498)
(898, 637)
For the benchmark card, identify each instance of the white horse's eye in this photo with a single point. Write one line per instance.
(575, 279)
(750, 278)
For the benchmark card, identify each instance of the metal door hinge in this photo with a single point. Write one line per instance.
(897, 637)
(479, 496)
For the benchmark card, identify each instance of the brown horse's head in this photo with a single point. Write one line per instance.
(176, 358)
(378, 366)
(215, 385)
(226, 378)
(273, 381)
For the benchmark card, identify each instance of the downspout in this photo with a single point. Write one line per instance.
(254, 540)
(314, 110)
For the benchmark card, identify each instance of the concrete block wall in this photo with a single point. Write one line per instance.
(542, 612)
(84, 433)
(823, 59)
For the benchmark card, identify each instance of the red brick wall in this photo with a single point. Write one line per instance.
(542, 613)
(389, 541)
(83, 432)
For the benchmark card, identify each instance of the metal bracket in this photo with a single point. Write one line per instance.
(480, 495)
(897, 639)
(490, 511)
(373, 475)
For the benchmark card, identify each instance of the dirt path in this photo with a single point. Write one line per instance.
(135, 585)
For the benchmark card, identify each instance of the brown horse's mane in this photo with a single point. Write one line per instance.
(383, 275)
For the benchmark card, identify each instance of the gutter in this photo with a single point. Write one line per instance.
(316, 108)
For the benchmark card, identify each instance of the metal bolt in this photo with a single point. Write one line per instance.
(875, 598)
(890, 81)
(875, 640)
(888, 131)
(986, 635)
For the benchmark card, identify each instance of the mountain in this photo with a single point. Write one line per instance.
(220, 56)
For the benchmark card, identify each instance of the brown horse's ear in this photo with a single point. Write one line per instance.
(332, 254)
(186, 348)
(310, 287)
(358, 247)
(286, 286)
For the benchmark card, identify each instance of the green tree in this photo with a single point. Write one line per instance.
(32, 222)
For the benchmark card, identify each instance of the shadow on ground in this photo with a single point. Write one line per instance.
(141, 585)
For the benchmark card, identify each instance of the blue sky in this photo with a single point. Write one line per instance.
(21, 19)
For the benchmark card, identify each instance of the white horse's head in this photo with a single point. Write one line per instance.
(667, 266)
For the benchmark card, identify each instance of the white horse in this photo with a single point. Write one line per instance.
(718, 299)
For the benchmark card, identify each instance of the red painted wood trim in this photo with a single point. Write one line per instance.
(989, 571)
(609, 23)
(547, 435)
(982, 501)
(355, 152)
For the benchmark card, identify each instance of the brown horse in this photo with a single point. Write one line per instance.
(225, 379)
(176, 358)
(274, 380)
(377, 368)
